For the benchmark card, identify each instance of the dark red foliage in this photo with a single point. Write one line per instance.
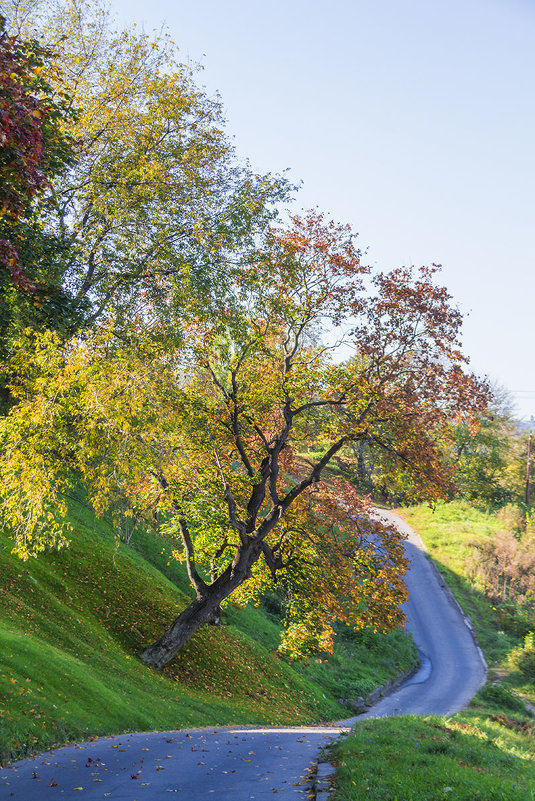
(32, 147)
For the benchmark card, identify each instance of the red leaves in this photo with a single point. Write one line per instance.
(31, 146)
(9, 259)
(318, 264)
(345, 565)
(408, 333)
(22, 115)
(21, 146)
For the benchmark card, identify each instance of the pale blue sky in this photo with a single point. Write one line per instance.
(414, 121)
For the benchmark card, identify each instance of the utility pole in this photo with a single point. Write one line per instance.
(528, 467)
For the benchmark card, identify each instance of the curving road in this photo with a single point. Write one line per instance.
(453, 668)
(255, 763)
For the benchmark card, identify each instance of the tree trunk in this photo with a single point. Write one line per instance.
(201, 610)
(204, 609)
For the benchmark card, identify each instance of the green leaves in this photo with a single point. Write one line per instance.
(156, 209)
(34, 150)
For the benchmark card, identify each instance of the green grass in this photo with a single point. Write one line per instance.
(478, 754)
(448, 532)
(380, 658)
(72, 622)
(501, 629)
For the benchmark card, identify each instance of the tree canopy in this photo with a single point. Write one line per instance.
(215, 434)
(156, 206)
(35, 150)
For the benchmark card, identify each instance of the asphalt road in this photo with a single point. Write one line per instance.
(453, 668)
(257, 763)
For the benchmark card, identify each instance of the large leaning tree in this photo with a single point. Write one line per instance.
(230, 437)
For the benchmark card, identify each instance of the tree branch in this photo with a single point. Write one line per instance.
(273, 560)
(198, 583)
(229, 497)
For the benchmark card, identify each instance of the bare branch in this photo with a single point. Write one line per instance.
(189, 549)
(198, 583)
(273, 559)
(216, 380)
(313, 404)
(257, 428)
(258, 494)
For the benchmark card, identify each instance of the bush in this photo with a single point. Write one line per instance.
(524, 658)
(505, 567)
(513, 518)
(496, 696)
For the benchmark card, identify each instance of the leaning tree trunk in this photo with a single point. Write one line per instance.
(204, 609)
(201, 610)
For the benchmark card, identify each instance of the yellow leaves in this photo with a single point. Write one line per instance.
(31, 497)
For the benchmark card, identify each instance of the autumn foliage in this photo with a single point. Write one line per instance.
(32, 146)
(226, 439)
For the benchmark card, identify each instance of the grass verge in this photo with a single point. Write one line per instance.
(448, 532)
(485, 752)
(501, 628)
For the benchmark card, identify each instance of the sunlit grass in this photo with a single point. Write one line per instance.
(449, 531)
(72, 622)
(478, 754)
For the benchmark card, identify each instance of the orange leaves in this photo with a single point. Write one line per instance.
(345, 566)
(315, 268)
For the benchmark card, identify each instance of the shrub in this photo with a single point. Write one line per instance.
(524, 658)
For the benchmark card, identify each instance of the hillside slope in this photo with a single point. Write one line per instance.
(71, 623)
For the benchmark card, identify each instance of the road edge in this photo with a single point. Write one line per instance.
(447, 591)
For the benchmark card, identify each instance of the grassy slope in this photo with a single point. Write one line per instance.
(485, 752)
(71, 624)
